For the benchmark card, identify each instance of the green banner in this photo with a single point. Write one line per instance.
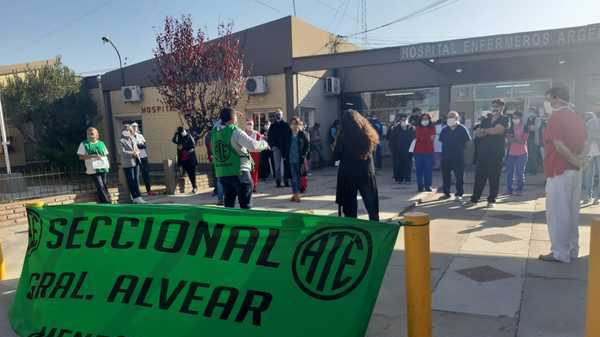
(190, 271)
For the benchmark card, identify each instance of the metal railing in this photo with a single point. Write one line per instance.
(40, 182)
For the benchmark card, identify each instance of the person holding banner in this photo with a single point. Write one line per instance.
(95, 155)
(231, 156)
(354, 147)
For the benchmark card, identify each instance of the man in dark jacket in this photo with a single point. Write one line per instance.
(454, 138)
(400, 137)
(279, 138)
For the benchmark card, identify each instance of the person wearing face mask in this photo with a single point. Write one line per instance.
(279, 140)
(565, 155)
(94, 153)
(130, 161)
(423, 151)
(400, 137)
(590, 191)
(533, 144)
(231, 149)
(517, 154)
(376, 124)
(490, 138)
(415, 117)
(249, 129)
(186, 154)
(298, 152)
(454, 137)
(144, 165)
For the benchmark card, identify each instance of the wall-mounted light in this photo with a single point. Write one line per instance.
(431, 60)
(459, 70)
(400, 94)
(561, 62)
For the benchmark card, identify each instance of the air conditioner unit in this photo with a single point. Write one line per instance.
(333, 86)
(132, 93)
(256, 85)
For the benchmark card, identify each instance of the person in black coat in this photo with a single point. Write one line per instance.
(354, 147)
(400, 137)
(186, 154)
(279, 137)
(298, 154)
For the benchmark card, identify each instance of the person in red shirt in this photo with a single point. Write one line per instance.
(564, 156)
(249, 129)
(424, 136)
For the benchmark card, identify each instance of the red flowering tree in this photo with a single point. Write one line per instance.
(198, 76)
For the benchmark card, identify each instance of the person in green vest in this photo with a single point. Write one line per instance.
(95, 155)
(231, 158)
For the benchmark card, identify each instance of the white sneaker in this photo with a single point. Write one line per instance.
(194, 191)
(491, 205)
(458, 198)
(139, 200)
(596, 201)
(586, 201)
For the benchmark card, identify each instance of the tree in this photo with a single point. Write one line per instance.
(51, 109)
(198, 76)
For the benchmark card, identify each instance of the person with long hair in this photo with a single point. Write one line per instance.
(424, 139)
(298, 153)
(354, 146)
(186, 154)
(94, 153)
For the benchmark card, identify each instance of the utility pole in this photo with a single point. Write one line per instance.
(4, 141)
(363, 21)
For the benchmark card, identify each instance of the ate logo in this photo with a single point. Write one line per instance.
(222, 151)
(332, 261)
(35, 231)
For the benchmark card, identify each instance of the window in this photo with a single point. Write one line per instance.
(307, 115)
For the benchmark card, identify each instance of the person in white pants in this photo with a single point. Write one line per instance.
(565, 150)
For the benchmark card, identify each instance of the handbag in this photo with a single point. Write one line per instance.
(411, 149)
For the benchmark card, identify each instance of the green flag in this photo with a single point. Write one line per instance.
(186, 271)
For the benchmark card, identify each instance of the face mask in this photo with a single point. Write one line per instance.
(184, 133)
(403, 124)
(451, 121)
(125, 133)
(548, 107)
(425, 122)
(516, 120)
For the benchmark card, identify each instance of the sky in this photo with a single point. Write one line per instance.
(38, 30)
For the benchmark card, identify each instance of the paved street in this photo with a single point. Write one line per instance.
(486, 278)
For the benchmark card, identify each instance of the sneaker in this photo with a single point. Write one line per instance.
(458, 198)
(508, 193)
(139, 200)
(596, 201)
(491, 205)
(194, 190)
(428, 189)
(586, 201)
(445, 197)
(469, 203)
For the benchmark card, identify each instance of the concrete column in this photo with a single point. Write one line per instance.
(445, 97)
(290, 105)
(170, 176)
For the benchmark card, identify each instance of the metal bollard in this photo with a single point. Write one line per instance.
(418, 274)
(2, 265)
(592, 325)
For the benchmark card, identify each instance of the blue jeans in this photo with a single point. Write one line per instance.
(424, 167)
(515, 169)
(219, 188)
(132, 175)
(295, 173)
(588, 179)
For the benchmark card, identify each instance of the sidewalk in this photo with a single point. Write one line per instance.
(487, 280)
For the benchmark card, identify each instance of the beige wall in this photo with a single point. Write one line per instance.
(308, 40)
(160, 123)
